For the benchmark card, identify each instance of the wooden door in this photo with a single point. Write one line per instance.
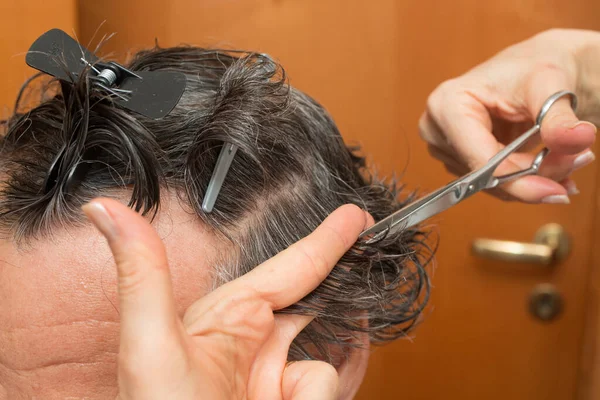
(21, 22)
(372, 64)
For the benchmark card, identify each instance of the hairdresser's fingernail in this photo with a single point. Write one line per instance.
(571, 187)
(101, 218)
(583, 159)
(583, 125)
(556, 199)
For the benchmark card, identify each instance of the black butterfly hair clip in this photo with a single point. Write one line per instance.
(150, 93)
(153, 94)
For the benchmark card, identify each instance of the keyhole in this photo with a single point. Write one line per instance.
(545, 302)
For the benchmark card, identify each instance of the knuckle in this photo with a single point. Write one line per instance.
(441, 96)
(551, 34)
(326, 373)
(356, 209)
(546, 66)
(249, 320)
(135, 265)
(338, 239)
(241, 313)
(246, 312)
(130, 277)
(314, 260)
(447, 88)
(435, 98)
(310, 373)
(431, 106)
(328, 370)
(423, 126)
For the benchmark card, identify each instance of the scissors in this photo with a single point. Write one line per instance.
(463, 188)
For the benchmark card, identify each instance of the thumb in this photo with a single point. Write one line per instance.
(562, 132)
(310, 380)
(144, 283)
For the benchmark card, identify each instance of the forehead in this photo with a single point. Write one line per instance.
(59, 288)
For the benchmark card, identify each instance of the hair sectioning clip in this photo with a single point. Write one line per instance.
(218, 176)
(150, 93)
(153, 94)
(225, 159)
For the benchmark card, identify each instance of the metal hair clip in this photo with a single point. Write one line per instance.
(225, 159)
(218, 176)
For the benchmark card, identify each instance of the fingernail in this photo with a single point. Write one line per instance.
(100, 217)
(583, 159)
(556, 199)
(582, 123)
(571, 187)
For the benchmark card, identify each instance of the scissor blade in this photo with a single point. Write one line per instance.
(417, 211)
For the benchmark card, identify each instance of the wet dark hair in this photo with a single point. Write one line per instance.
(292, 169)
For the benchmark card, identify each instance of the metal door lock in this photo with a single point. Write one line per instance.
(545, 302)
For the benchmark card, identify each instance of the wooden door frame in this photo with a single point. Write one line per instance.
(589, 376)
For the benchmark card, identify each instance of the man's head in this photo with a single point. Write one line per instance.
(291, 170)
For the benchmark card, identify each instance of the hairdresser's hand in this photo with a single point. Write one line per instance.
(503, 96)
(229, 344)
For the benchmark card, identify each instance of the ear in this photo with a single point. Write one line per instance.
(354, 367)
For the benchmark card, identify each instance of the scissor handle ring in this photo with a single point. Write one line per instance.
(550, 102)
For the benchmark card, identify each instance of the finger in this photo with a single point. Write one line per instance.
(288, 276)
(537, 189)
(477, 145)
(467, 126)
(463, 122)
(562, 131)
(530, 189)
(298, 270)
(524, 189)
(530, 192)
(570, 186)
(431, 132)
(270, 362)
(354, 367)
(559, 166)
(556, 168)
(464, 140)
(288, 327)
(310, 380)
(452, 165)
(145, 295)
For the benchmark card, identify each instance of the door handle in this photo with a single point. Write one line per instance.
(550, 245)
